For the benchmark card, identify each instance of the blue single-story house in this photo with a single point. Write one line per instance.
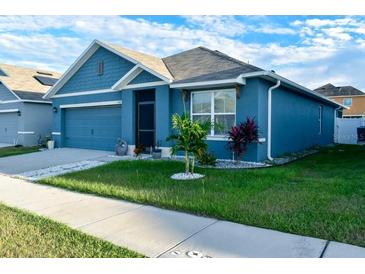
(111, 92)
(25, 116)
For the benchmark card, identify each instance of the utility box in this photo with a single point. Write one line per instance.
(360, 134)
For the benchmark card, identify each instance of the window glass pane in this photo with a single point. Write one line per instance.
(201, 118)
(223, 123)
(347, 102)
(201, 102)
(224, 101)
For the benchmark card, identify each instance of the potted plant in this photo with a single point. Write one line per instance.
(49, 142)
(241, 136)
(138, 151)
(157, 152)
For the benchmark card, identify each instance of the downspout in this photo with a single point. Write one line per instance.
(269, 99)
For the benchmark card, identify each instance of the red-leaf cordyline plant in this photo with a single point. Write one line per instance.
(241, 136)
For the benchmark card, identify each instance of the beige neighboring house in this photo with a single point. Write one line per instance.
(348, 96)
(25, 116)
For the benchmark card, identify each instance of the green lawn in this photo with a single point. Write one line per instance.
(11, 151)
(23, 234)
(322, 195)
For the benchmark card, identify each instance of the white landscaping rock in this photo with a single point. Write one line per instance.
(186, 176)
(59, 170)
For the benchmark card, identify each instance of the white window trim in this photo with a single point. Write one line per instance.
(343, 101)
(56, 133)
(95, 104)
(26, 132)
(212, 114)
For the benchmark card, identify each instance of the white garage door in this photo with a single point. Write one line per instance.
(8, 127)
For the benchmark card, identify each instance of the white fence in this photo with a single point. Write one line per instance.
(346, 130)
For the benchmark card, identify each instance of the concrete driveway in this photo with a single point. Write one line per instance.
(44, 159)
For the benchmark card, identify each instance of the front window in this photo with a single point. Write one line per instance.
(347, 102)
(216, 106)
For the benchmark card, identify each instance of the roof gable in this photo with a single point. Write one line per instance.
(6, 94)
(153, 65)
(144, 77)
(86, 78)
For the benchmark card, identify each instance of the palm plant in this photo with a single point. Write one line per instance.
(189, 137)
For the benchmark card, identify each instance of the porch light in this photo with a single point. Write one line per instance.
(19, 113)
(54, 109)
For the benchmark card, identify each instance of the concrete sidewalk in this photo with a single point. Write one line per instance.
(157, 232)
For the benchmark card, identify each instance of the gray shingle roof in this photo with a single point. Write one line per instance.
(202, 64)
(331, 90)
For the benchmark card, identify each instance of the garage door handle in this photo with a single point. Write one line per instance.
(92, 132)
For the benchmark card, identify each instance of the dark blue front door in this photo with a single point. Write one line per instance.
(145, 122)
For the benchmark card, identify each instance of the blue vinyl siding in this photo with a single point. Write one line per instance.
(92, 127)
(87, 78)
(5, 93)
(144, 77)
(295, 124)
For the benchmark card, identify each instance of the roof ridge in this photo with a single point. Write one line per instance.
(228, 57)
(140, 52)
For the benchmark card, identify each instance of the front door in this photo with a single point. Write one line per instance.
(145, 105)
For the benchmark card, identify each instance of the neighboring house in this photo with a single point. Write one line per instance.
(349, 96)
(25, 116)
(112, 92)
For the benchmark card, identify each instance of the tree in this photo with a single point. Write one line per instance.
(189, 137)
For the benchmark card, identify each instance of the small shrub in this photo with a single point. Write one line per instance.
(207, 159)
(241, 136)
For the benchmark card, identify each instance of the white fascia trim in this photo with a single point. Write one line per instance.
(9, 101)
(85, 55)
(80, 93)
(145, 85)
(346, 96)
(25, 101)
(134, 61)
(9, 110)
(96, 104)
(12, 92)
(26, 132)
(238, 80)
(290, 83)
(56, 133)
(128, 77)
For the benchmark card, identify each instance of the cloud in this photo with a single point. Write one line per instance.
(318, 50)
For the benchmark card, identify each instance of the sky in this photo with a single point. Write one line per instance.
(310, 50)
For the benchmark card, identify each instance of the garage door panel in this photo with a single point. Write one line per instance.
(92, 127)
(8, 127)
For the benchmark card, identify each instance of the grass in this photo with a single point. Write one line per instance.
(11, 151)
(322, 195)
(23, 234)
